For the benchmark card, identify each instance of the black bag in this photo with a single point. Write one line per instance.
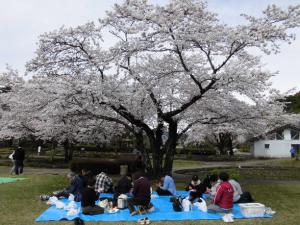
(177, 204)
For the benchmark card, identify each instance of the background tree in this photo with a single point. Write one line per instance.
(293, 103)
(169, 68)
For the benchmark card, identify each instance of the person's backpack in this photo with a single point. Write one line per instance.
(177, 204)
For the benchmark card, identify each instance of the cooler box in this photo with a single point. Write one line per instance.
(252, 209)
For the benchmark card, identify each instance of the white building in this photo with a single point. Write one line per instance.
(277, 143)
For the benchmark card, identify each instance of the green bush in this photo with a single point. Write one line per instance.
(195, 151)
(110, 166)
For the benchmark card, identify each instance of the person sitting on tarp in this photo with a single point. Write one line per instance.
(89, 197)
(124, 185)
(195, 188)
(141, 194)
(166, 186)
(214, 183)
(206, 182)
(75, 189)
(85, 176)
(104, 183)
(239, 196)
(223, 200)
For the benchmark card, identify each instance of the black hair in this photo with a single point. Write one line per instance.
(224, 176)
(195, 178)
(137, 175)
(213, 177)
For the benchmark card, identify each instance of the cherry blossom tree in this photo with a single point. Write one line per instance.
(166, 69)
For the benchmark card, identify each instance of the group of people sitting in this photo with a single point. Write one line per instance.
(87, 189)
(222, 192)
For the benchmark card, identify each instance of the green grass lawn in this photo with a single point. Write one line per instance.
(285, 163)
(20, 204)
(178, 163)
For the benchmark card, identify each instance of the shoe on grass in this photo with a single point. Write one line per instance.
(44, 197)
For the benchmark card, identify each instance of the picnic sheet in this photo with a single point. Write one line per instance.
(163, 211)
(9, 179)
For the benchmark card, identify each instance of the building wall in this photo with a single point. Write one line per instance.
(277, 148)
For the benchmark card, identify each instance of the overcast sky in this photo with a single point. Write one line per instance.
(22, 21)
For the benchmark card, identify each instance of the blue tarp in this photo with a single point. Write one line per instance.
(163, 211)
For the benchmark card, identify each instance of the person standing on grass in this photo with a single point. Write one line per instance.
(12, 170)
(293, 152)
(19, 157)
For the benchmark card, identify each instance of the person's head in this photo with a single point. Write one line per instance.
(224, 176)
(71, 175)
(85, 172)
(129, 176)
(195, 180)
(137, 175)
(213, 179)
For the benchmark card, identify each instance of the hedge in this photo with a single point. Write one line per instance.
(110, 166)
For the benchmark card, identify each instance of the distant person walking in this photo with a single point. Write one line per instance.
(293, 152)
(12, 171)
(19, 157)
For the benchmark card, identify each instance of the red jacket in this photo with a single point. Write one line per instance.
(224, 195)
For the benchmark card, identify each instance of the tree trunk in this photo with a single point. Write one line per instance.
(66, 150)
(170, 148)
(157, 151)
(71, 150)
(139, 145)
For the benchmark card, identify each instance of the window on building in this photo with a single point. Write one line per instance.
(279, 135)
(271, 136)
(294, 135)
(267, 146)
(275, 136)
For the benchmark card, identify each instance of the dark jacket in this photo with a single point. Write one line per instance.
(89, 196)
(199, 189)
(76, 188)
(141, 189)
(19, 154)
(124, 185)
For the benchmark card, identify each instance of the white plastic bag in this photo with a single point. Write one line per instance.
(201, 205)
(59, 204)
(11, 155)
(103, 203)
(71, 197)
(73, 212)
(186, 205)
(52, 200)
(71, 205)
